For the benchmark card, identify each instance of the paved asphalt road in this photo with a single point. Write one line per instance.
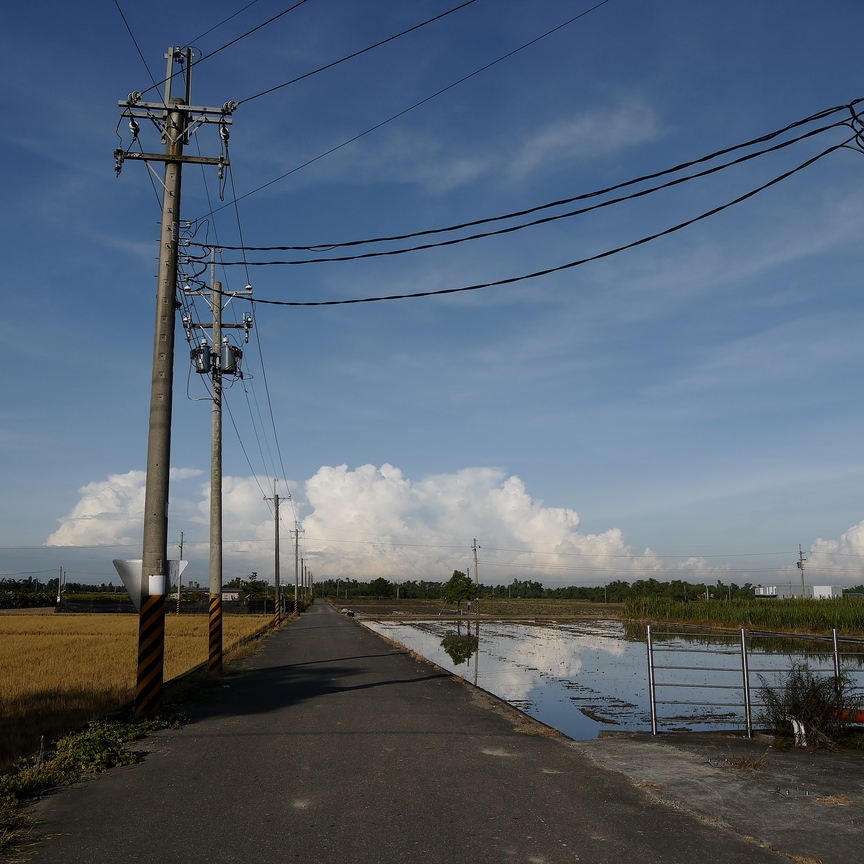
(334, 746)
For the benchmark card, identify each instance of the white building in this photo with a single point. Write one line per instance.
(815, 592)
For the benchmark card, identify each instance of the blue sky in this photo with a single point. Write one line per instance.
(690, 408)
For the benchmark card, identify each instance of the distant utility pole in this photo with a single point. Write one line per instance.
(801, 560)
(476, 577)
(180, 574)
(277, 590)
(176, 120)
(296, 532)
(219, 360)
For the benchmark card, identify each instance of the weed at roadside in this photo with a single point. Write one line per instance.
(818, 705)
(92, 750)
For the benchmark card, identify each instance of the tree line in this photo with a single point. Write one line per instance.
(31, 591)
(616, 591)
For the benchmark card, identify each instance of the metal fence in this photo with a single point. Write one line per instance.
(738, 658)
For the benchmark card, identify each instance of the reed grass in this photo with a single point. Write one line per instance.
(57, 672)
(845, 614)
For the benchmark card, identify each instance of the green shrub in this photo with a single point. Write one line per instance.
(820, 703)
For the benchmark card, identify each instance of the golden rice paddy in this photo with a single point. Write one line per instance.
(57, 672)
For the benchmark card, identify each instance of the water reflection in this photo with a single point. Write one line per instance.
(586, 676)
(578, 677)
(461, 647)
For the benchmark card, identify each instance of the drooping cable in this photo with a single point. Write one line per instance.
(549, 270)
(138, 49)
(204, 57)
(223, 21)
(405, 111)
(242, 446)
(270, 407)
(570, 200)
(357, 53)
(581, 211)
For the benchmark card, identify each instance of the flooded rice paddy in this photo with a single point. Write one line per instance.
(583, 677)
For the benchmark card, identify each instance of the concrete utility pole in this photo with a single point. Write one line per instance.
(179, 574)
(277, 589)
(476, 577)
(296, 532)
(176, 119)
(801, 560)
(218, 360)
(214, 606)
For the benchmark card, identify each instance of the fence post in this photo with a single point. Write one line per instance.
(836, 655)
(745, 668)
(651, 694)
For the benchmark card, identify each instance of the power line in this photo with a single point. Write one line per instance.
(528, 211)
(631, 557)
(405, 111)
(356, 53)
(204, 57)
(137, 48)
(224, 21)
(243, 448)
(581, 211)
(272, 416)
(549, 270)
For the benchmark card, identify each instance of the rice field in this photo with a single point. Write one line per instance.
(58, 672)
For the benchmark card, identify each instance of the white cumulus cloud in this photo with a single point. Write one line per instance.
(835, 561)
(109, 512)
(373, 521)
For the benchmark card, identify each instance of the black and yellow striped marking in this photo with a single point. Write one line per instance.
(151, 655)
(214, 661)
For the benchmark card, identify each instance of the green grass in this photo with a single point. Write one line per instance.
(845, 614)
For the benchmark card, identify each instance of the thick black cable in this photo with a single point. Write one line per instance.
(527, 212)
(356, 53)
(607, 254)
(569, 214)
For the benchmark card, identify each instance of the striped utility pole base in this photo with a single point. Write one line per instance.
(151, 655)
(214, 660)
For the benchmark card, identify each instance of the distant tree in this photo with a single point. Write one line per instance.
(381, 588)
(457, 588)
(253, 588)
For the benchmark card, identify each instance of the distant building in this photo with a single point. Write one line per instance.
(230, 595)
(814, 592)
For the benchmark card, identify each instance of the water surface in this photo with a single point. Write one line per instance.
(583, 677)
